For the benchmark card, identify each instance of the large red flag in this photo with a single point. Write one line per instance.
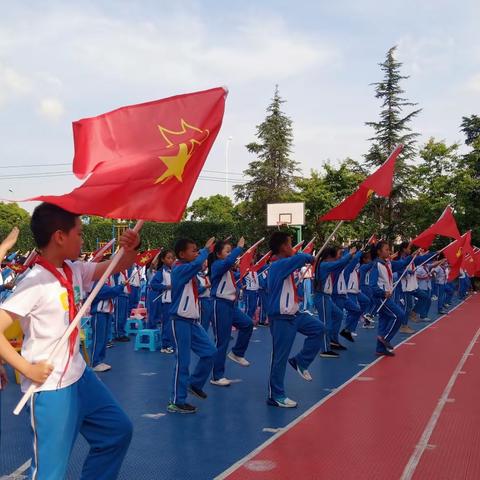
(455, 253)
(445, 226)
(380, 182)
(143, 160)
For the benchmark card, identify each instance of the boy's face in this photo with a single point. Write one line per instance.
(190, 253)
(286, 249)
(70, 242)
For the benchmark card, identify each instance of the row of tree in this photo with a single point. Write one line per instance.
(427, 178)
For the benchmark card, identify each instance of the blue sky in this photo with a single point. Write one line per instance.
(61, 61)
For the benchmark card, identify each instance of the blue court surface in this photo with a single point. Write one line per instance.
(231, 423)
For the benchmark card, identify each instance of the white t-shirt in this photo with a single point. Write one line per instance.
(42, 304)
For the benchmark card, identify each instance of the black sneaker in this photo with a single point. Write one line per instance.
(337, 346)
(347, 335)
(329, 354)
(181, 408)
(385, 342)
(387, 353)
(197, 392)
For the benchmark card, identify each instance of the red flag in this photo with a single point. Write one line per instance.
(97, 255)
(445, 226)
(298, 246)
(144, 159)
(309, 246)
(380, 182)
(469, 264)
(455, 253)
(146, 257)
(262, 262)
(245, 262)
(17, 267)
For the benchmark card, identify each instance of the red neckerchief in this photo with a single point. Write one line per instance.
(67, 284)
(389, 271)
(127, 283)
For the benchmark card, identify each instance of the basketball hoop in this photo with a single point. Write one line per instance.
(282, 224)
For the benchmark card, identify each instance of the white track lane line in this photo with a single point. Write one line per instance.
(288, 427)
(432, 423)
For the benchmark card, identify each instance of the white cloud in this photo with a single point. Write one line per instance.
(51, 108)
(473, 83)
(12, 83)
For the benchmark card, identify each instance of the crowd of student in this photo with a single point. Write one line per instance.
(188, 292)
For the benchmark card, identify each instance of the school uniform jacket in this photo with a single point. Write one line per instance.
(283, 296)
(325, 273)
(185, 287)
(223, 279)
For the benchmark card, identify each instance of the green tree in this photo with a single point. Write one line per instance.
(391, 129)
(12, 214)
(216, 208)
(272, 174)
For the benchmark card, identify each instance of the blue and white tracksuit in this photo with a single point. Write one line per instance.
(463, 283)
(135, 287)
(366, 289)
(101, 313)
(423, 304)
(226, 313)
(391, 315)
(251, 293)
(188, 334)
(206, 302)
(165, 302)
(154, 289)
(324, 282)
(440, 281)
(263, 295)
(340, 297)
(409, 285)
(121, 306)
(286, 320)
(357, 303)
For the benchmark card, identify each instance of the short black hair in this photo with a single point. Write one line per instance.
(182, 244)
(47, 219)
(277, 240)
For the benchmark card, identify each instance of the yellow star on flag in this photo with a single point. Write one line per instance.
(175, 164)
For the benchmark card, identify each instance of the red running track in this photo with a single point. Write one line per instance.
(416, 415)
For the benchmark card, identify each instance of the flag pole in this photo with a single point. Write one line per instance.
(322, 248)
(78, 318)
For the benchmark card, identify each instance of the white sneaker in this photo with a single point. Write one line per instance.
(221, 382)
(434, 297)
(102, 367)
(354, 334)
(240, 360)
(284, 402)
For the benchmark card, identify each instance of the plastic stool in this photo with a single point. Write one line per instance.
(134, 325)
(148, 338)
(87, 330)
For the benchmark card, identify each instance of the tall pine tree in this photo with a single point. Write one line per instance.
(392, 128)
(272, 174)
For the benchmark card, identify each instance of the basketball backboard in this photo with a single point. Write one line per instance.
(292, 214)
